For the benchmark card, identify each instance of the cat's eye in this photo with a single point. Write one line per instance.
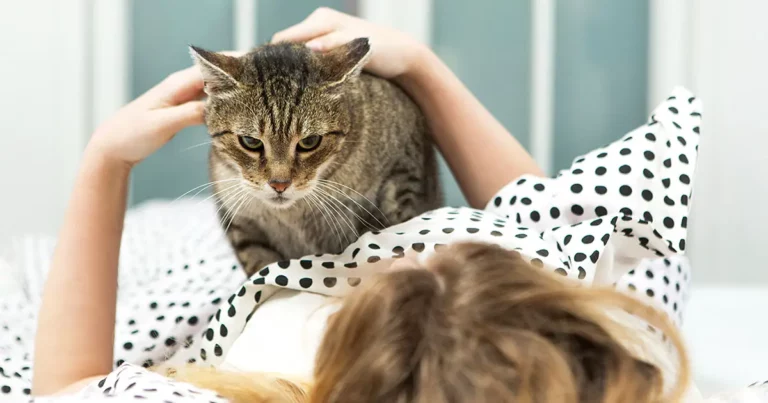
(309, 143)
(251, 143)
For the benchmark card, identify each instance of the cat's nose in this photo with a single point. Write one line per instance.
(279, 186)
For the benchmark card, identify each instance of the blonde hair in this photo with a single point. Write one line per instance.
(476, 324)
(242, 387)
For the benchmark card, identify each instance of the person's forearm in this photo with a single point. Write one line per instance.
(76, 324)
(481, 153)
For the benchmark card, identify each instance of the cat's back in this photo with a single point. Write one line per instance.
(396, 149)
(388, 114)
(386, 96)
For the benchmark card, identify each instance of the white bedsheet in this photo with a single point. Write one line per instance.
(724, 327)
(727, 336)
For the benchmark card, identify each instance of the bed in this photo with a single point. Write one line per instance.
(726, 336)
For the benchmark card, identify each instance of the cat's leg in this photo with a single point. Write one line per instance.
(251, 246)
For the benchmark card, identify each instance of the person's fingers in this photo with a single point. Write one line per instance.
(330, 41)
(178, 88)
(320, 22)
(171, 120)
(183, 86)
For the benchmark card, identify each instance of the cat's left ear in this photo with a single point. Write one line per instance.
(345, 62)
(220, 72)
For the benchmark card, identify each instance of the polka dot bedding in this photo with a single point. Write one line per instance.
(618, 216)
(130, 383)
(176, 269)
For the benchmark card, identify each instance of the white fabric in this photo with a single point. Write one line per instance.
(130, 383)
(176, 268)
(298, 320)
(618, 216)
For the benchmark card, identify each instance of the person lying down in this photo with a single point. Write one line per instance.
(456, 305)
(475, 323)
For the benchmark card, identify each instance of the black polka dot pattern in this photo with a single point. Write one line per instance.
(167, 291)
(645, 178)
(621, 201)
(615, 192)
(134, 383)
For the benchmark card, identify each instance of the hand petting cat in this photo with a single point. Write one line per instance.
(394, 52)
(86, 256)
(472, 141)
(146, 124)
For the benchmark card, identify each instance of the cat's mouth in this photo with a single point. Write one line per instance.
(280, 199)
(271, 198)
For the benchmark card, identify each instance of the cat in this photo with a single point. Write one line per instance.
(308, 152)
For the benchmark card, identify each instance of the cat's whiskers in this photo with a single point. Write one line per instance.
(229, 215)
(196, 145)
(203, 187)
(334, 218)
(224, 208)
(244, 199)
(313, 200)
(327, 187)
(330, 182)
(311, 209)
(224, 194)
(221, 193)
(227, 198)
(339, 202)
(231, 206)
(340, 216)
(323, 211)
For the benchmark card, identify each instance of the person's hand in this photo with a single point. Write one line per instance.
(394, 54)
(146, 124)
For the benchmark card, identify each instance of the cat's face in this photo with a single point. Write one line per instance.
(277, 115)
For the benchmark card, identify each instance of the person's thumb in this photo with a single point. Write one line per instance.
(174, 119)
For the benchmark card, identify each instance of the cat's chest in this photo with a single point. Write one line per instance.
(315, 227)
(310, 228)
(293, 236)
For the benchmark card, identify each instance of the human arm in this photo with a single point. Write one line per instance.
(481, 153)
(75, 332)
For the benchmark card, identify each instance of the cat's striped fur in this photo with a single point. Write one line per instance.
(374, 165)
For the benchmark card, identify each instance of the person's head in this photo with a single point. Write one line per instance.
(479, 324)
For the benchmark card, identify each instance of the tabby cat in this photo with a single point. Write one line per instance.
(308, 152)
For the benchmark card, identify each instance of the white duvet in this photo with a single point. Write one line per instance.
(618, 217)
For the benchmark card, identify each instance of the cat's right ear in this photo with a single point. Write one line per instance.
(220, 72)
(345, 62)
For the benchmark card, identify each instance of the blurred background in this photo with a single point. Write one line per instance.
(564, 76)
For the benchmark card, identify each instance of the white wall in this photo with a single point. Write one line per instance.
(728, 67)
(63, 69)
(43, 114)
(718, 49)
